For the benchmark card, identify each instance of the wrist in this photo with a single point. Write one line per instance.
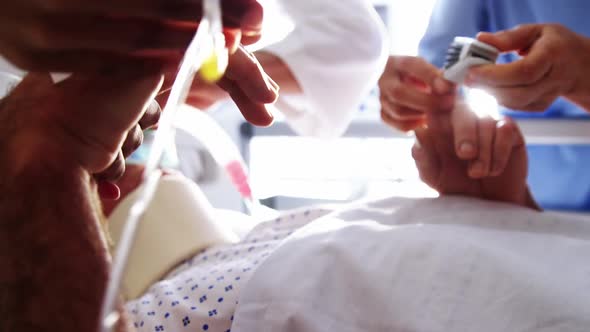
(28, 144)
(28, 153)
(47, 214)
(579, 95)
(579, 90)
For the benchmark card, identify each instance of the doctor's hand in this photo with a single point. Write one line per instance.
(81, 124)
(245, 81)
(79, 35)
(108, 181)
(554, 63)
(461, 154)
(412, 88)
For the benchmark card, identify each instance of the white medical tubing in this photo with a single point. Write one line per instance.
(199, 49)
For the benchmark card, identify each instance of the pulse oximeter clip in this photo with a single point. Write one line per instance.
(465, 53)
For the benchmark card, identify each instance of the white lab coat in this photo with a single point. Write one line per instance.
(336, 50)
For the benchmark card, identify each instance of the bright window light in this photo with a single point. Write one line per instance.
(408, 22)
(338, 170)
(348, 168)
(482, 103)
(275, 26)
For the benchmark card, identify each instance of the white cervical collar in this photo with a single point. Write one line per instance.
(178, 224)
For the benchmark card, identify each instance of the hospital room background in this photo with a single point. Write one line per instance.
(288, 171)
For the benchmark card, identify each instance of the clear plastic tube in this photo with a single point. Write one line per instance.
(200, 48)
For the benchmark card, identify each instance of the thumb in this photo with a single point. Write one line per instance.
(519, 38)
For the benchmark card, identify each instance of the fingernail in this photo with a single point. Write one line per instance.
(271, 118)
(273, 90)
(108, 190)
(417, 151)
(155, 105)
(467, 149)
(441, 86)
(232, 39)
(482, 34)
(477, 169)
(275, 87)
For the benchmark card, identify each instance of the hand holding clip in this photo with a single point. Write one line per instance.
(554, 64)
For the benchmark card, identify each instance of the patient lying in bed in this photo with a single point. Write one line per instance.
(483, 259)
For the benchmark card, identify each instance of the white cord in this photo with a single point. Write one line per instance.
(196, 54)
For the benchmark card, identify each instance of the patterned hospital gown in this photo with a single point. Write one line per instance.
(201, 294)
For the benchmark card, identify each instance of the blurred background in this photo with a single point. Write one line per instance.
(288, 171)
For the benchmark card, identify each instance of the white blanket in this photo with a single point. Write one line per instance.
(431, 265)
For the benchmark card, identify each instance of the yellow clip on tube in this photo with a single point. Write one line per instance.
(214, 66)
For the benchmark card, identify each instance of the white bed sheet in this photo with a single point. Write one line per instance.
(445, 264)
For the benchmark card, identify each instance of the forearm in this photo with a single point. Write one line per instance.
(53, 256)
(280, 72)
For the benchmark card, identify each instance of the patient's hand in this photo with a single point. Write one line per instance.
(461, 154)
